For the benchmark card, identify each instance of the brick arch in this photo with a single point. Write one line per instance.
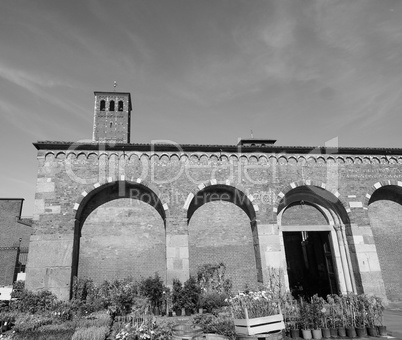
(227, 183)
(81, 199)
(226, 187)
(309, 183)
(377, 186)
(103, 193)
(225, 191)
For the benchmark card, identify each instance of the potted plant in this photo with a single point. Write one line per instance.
(360, 302)
(350, 315)
(191, 293)
(305, 319)
(177, 296)
(378, 315)
(326, 333)
(316, 311)
(291, 313)
(332, 315)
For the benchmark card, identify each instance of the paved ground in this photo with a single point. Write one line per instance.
(393, 321)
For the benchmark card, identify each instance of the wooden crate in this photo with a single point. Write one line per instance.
(264, 324)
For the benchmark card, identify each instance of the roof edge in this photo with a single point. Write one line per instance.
(89, 146)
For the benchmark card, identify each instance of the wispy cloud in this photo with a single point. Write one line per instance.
(39, 85)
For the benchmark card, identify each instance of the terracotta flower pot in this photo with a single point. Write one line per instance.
(317, 334)
(307, 334)
(326, 333)
(382, 330)
(372, 331)
(295, 333)
(342, 332)
(360, 332)
(333, 332)
(351, 332)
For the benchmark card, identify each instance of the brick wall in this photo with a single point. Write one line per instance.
(8, 257)
(122, 238)
(386, 223)
(265, 177)
(303, 215)
(221, 232)
(11, 231)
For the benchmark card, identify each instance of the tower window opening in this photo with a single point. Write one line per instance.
(120, 106)
(111, 124)
(111, 105)
(102, 105)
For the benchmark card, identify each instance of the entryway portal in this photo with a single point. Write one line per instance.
(310, 263)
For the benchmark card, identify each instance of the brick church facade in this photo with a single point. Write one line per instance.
(328, 218)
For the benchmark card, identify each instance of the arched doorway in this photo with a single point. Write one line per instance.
(222, 228)
(385, 214)
(312, 222)
(119, 232)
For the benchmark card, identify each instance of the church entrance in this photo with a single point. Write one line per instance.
(310, 264)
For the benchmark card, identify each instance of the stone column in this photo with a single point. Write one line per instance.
(344, 261)
(177, 249)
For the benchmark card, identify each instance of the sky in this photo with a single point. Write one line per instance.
(199, 71)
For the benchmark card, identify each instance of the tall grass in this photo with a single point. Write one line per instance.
(91, 333)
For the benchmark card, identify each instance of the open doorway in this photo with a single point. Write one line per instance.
(310, 264)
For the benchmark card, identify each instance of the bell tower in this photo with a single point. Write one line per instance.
(112, 117)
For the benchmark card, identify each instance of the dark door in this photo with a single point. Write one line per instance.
(310, 263)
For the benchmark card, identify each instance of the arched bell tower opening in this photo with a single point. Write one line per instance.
(312, 223)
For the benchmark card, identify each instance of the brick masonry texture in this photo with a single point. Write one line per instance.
(122, 238)
(221, 232)
(11, 230)
(67, 181)
(385, 218)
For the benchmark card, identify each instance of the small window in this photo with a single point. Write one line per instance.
(111, 124)
(102, 105)
(111, 105)
(120, 107)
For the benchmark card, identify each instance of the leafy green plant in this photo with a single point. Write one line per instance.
(213, 300)
(153, 289)
(211, 278)
(177, 296)
(18, 288)
(29, 322)
(317, 311)
(191, 293)
(34, 302)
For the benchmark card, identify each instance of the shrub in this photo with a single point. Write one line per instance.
(153, 289)
(27, 322)
(211, 277)
(177, 296)
(191, 293)
(213, 300)
(34, 302)
(18, 288)
(91, 333)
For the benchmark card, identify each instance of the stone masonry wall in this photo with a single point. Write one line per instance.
(65, 178)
